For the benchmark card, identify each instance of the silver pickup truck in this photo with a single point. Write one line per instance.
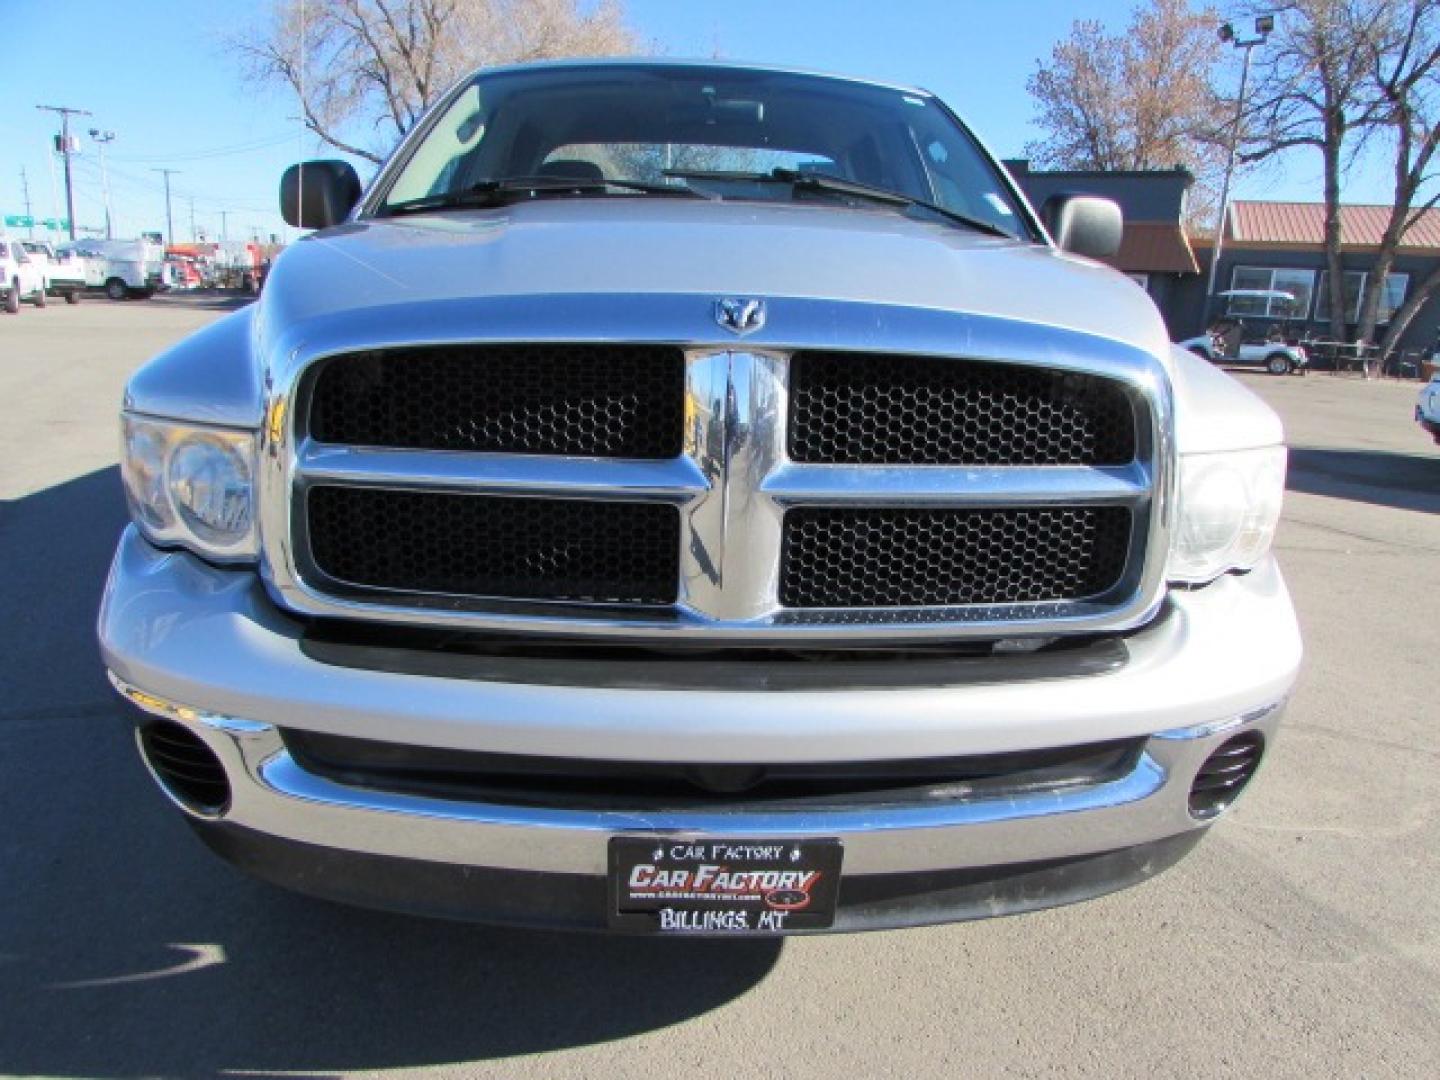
(690, 498)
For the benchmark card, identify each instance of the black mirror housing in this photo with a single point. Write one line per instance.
(1085, 224)
(329, 189)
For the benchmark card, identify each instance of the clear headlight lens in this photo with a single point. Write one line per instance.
(191, 485)
(1229, 506)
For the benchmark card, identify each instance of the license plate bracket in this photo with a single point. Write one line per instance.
(705, 885)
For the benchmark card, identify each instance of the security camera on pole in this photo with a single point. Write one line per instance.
(1264, 26)
(102, 139)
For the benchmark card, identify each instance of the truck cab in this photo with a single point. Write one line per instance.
(22, 275)
(64, 271)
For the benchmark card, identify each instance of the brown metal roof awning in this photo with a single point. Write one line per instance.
(1154, 247)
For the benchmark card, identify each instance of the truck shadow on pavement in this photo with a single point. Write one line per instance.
(126, 949)
(1380, 477)
(200, 299)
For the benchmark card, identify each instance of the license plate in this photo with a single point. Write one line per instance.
(664, 884)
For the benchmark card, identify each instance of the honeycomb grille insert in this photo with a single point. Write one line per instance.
(582, 400)
(491, 546)
(921, 558)
(862, 409)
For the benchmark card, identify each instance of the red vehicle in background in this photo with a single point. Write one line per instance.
(225, 265)
(186, 265)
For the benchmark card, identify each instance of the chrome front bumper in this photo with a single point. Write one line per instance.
(272, 794)
(205, 648)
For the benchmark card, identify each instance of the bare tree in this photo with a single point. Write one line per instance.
(1340, 76)
(1405, 72)
(1313, 91)
(1140, 99)
(378, 64)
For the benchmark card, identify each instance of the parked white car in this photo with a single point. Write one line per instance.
(1427, 408)
(21, 276)
(64, 272)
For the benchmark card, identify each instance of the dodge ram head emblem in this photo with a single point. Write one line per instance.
(740, 316)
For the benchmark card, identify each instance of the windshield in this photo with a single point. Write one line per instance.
(635, 124)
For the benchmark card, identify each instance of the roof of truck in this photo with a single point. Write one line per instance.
(582, 63)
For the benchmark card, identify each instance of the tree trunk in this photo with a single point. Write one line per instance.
(1375, 289)
(1334, 135)
(1401, 320)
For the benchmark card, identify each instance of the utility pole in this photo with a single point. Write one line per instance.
(67, 146)
(192, 219)
(1264, 26)
(25, 188)
(102, 140)
(224, 226)
(169, 221)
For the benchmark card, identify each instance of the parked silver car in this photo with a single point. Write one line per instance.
(695, 498)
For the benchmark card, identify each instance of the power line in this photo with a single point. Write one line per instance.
(129, 179)
(200, 155)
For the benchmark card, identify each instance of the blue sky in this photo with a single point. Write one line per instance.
(156, 73)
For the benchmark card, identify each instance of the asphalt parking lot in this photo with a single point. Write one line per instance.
(1300, 939)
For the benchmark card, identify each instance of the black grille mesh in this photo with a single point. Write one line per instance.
(584, 400)
(859, 409)
(921, 558)
(480, 545)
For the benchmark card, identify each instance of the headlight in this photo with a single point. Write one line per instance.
(191, 486)
(1229, 505)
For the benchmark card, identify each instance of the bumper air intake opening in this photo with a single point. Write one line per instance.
(1225, 774)
(186, 768)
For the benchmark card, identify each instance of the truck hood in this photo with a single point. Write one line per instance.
(639, 246)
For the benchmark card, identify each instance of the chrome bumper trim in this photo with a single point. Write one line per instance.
(274, 795)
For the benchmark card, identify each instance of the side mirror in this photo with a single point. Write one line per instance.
(318, 194)
(1084, 224)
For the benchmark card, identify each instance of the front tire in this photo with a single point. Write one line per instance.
(1278, 364)
(12, 299)
(116, 289)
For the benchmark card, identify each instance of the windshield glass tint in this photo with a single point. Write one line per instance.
(633, 123)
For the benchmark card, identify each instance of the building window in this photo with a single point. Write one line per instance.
(1299, 284)
(1391, 296)
(1143, 280)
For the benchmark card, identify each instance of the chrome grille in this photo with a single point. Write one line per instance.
(759, 544)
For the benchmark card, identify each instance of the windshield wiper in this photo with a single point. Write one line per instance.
(835, 185)
(507, 189)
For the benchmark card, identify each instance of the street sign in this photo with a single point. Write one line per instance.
(51, 223)
(19, 221)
